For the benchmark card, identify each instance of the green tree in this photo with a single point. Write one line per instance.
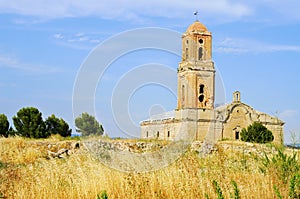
(4, 126)
(88, 125)
(29, 123)
(11, 132)
(257, 133)
(57, 126)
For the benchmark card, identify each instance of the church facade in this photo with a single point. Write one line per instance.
(196, 117)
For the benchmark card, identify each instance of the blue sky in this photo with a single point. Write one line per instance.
(256, 49)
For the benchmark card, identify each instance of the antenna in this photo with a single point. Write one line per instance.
(196, 15)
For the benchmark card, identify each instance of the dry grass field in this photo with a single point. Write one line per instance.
(27, 172)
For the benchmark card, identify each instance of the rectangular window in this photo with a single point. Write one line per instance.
(200, 53)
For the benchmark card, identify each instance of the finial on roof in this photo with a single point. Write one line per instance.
(196, 15)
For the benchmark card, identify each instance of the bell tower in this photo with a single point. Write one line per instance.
(196, 71)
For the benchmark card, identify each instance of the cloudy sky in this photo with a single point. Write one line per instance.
(43, 45)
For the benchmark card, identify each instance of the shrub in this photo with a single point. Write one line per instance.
(257, 133)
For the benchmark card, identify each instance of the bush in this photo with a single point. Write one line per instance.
(4, 125)
(88, 125)
(257, 133)
(57, 126)
(29, 123)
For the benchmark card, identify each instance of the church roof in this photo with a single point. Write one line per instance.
(197, 26)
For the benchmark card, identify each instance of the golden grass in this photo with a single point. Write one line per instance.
(26, 173)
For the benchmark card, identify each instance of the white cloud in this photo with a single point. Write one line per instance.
(95, 41)
(80, 34)
(225, 8)
(126, 9)
(283, 10)
(139, 10)
(58, 36)
(79, 41)
(14, 63)
(83, 39)
(291, 127)
(239, 46)
(288, 114)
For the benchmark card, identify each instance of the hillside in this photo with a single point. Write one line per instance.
(34, 169)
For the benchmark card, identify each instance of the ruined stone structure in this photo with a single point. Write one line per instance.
(196, 117)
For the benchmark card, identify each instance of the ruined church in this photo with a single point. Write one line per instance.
(196, 116)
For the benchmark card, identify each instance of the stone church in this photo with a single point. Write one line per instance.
(196, 117)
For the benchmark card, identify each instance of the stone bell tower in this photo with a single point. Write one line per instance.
(196, 71)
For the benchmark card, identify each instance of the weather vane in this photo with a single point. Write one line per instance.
(196, 14)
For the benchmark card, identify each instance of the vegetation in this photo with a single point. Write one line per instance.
(29, 123)
(88, 125)
(257, 133)
(284, 166)
(4, 125)
(218, 190)
(27, 173)
(236, 191)
(57, 126)
(295, 186)
(103, 195)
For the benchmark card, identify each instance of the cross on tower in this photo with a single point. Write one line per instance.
(196, 14)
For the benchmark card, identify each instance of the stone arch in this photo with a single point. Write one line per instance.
(231, 108)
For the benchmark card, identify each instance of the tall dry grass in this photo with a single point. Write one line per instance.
(27, 173)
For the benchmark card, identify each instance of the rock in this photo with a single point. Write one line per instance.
(75, 145)
(58, 154)
(249, 144)
(207, 148)
(196, 146)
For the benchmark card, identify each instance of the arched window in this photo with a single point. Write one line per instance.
(168, 134)
(186, 53)
(157, 134)
(201, 92)
(201, 89)
(147, 134)
(200, 53)
(201, 98)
